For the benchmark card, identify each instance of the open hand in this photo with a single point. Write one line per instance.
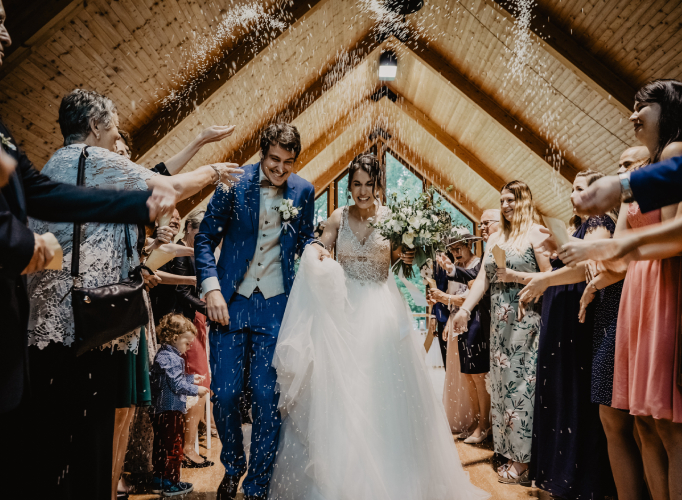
(216, 307)
(229, 172)
(215, 133)
(162, 201)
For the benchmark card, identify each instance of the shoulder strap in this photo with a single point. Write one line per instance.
(76, 250)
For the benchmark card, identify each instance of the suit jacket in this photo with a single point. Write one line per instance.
(232, 217)
(658, 185)
(29, 193)
(178, 299)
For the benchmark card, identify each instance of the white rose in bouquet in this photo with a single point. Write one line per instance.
(408, 239)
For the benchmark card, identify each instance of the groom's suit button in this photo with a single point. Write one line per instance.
(266, 222)
(257, 279)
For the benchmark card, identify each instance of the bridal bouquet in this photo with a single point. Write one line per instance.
(418, 224)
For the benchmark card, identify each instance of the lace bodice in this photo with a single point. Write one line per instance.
(103, 258)
(365, 262)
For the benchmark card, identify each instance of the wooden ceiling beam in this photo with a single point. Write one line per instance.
(522, 131)
(567, 50)
(289, 113)
(328, 177)
(450, 143)
(202, 88)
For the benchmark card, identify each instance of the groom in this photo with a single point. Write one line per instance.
(246, 295)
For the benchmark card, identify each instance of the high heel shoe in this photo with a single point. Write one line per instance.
(479, 439)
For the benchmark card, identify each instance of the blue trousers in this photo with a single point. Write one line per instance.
(252, 331)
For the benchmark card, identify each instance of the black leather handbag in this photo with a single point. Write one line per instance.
(105, 313)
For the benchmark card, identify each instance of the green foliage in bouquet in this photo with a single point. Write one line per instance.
(415, 224)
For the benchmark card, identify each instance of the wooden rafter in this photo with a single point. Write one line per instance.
(243, 53)
(405, 106)
(487, 104)
(322, 182)
(566, 49)
(293, 109)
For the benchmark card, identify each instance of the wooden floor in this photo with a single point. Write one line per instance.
(475, 458)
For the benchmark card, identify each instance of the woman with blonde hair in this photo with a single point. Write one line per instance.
(514, 331)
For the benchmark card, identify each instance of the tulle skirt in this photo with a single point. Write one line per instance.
(360, 418)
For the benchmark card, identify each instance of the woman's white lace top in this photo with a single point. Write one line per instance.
(368, 261)
(103, 256)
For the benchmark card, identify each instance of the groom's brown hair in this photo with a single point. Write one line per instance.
(282, 134)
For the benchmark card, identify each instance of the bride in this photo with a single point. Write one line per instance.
(360, 418)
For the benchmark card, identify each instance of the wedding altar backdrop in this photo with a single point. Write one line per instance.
(486, 91)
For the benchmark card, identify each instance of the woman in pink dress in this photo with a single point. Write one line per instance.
(647, 361)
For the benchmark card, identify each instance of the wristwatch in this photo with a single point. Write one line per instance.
(626, 195)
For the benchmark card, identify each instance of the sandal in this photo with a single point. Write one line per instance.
(509, 476)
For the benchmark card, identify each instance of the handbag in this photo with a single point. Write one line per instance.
(105, 313)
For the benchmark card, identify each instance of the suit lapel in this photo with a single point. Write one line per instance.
(289, 194)
(253, 197)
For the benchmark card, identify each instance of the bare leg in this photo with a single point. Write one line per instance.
(483, 399)
(671, 436)
(476, 413)
(192, 418)
(624, 454)
(654, 457)
(124, 417)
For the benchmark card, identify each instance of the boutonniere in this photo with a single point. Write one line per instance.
(288, 212)
(6, 143)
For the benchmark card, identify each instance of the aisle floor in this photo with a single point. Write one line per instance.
(476, 459)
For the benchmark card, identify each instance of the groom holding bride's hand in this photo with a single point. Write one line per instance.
(263, 221)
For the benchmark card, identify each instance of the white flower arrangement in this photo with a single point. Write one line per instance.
(6, 143)
(418, 224)
(288, 212)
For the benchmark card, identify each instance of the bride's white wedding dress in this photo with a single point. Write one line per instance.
(360, 418)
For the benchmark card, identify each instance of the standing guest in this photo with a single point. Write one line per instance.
(514, 332)
(472, 346)
(630, 159)
(26, 192)
(170, 388)
(246, 295)
(83, 392)
(647, 364)
(565, 417)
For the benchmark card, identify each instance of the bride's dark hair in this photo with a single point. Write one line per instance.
(370, 164)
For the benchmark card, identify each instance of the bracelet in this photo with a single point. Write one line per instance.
(465, 310)
(219, 180)
(318, 242)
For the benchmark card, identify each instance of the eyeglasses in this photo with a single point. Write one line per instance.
(486, 223)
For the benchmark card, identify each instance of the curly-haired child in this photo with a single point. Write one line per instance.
(170, 388)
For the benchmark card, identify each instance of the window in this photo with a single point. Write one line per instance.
(458, 218)
(401, 180)
(321, 208)
(343, 196)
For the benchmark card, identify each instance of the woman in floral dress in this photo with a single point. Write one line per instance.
(513, 333)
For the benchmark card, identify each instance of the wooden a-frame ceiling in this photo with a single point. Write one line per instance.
(460, 118)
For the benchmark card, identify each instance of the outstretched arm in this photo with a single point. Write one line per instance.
(215, 133)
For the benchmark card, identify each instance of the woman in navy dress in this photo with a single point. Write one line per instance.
(566, 420)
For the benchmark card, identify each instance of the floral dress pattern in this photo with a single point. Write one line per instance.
(513, 359)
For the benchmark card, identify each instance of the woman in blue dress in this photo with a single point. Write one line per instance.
(565, 417)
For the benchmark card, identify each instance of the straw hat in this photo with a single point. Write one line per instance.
(460, 235)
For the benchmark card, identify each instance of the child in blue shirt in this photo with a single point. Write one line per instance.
(170, 388)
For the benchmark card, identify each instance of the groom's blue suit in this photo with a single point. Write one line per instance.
(232, 217)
